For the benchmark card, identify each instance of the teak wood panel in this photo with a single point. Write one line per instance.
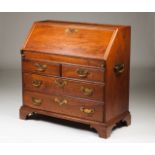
(41, 67)
(82, 72)
(65, 40)
(71, 107)
(70, 87)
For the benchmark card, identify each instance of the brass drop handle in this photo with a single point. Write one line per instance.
(36, 83)
(83, 73)
(87, 91)
(60, 102)
(119, 68)
(60, 83)
(40, 67)
(36, 101)
(86, 110)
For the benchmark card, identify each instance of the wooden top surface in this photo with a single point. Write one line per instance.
(71, 39)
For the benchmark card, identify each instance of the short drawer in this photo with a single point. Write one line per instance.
(83, 73)
(75, 107)
(65, 86)
(41, 67)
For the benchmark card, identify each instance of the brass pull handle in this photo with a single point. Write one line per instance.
(82, 73)
(36, 83)
(119, 68)
(41, 67)
(86, 110)
(71, 30)
(87, 91)
(60, 83)
(60, 102)
(36, 101)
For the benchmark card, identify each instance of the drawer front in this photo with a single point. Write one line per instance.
(84, 73)
(81, 108)
(41, 67)
(52, 85)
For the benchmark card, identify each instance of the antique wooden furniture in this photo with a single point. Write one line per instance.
(78, 72)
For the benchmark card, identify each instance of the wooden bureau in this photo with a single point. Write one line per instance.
(77, 72)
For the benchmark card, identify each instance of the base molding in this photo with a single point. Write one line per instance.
(103, 129)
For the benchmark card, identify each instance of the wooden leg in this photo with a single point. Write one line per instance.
(103, 131)
(127, 119)
(24, 112)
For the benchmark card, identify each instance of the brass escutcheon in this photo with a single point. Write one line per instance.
(87, 91)
(60, 101)
(71, 30)
(83, 73)
(36, 83)
(40, 67)
(36, 101)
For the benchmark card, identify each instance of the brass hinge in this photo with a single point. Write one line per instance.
(103, 66)
(22, 53)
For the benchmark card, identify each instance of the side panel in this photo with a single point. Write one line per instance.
(117, 85)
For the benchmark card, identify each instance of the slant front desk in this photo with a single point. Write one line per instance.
(78, 72)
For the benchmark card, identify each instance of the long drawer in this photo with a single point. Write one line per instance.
(75, 107)
(64, 86)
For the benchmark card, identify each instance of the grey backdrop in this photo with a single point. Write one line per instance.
(14, 28)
